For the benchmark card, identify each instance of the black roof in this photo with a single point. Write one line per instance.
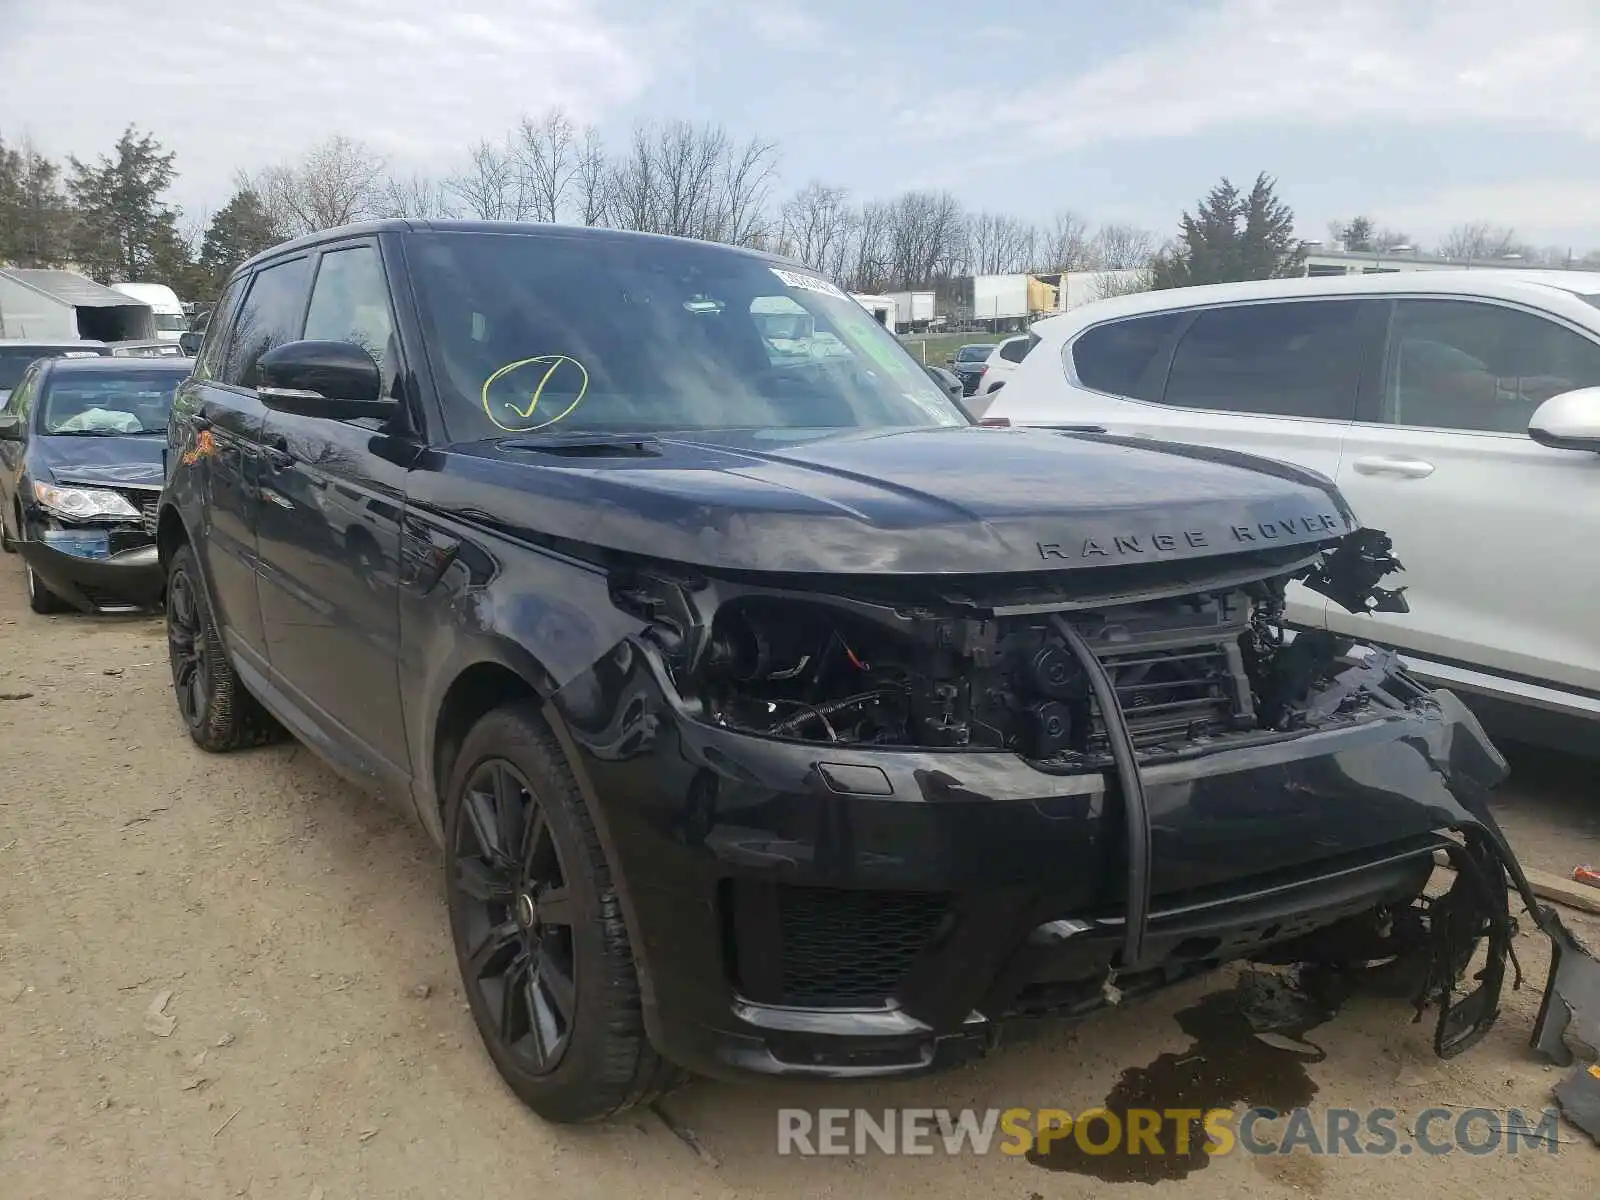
(522, 228)
(105, 365)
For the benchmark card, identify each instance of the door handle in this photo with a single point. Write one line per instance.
(1382, 464)
(276, 451)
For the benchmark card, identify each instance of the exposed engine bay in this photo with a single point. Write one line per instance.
(941, 671)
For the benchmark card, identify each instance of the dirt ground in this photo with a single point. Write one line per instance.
(321, 1047)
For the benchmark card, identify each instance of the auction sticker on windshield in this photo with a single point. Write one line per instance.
(808, 283)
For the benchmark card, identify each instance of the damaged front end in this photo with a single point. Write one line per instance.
(920, 807)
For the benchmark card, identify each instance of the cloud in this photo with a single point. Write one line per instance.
(229, 85)
(1341, 64)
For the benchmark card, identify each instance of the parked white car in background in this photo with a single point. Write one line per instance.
(1449, 408)
(998, 369)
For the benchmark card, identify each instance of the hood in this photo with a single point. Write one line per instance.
(956, 501)
(99, 461)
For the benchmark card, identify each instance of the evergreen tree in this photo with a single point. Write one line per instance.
(122, 226)
(34, 222)
(1233, 236)
(240, 230)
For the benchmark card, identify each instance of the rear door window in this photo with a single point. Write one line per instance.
(1125, 358)
(1288, 358)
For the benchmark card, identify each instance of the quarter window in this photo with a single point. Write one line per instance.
(269, 316)
(1016, 351)
(1291, 359)
(1124, 358)
(350, 303)
(1459, 364)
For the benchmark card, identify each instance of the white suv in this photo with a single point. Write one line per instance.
(1448, 406)
(998, 369)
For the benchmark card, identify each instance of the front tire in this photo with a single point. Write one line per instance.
(538, 929)
(40, 598)
(220, 714)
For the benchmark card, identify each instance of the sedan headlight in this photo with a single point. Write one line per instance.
(81, 504)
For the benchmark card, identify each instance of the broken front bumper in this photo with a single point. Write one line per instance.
(840, 911)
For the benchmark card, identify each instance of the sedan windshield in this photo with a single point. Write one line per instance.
(560, 334)
(108, 403)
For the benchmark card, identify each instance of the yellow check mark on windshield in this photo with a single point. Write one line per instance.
(555, 361)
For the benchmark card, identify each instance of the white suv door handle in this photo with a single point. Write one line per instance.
(1382, 464)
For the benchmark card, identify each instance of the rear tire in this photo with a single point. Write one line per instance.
(41, 599)
(220, 714)
(544, 953)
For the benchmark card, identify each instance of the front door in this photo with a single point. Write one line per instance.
(329, 543)
(1496, 532)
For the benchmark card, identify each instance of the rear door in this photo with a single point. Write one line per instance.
(216, 429)
(332, 504)
(1497, 533)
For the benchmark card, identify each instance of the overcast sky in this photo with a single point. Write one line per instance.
(1421, 113)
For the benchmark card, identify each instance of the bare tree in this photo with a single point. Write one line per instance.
(335, 183)
(1479, 239)
(927, 238)
(1121, 248)
(592, 178)
(489, 188)
(632, 185)
(870, 253)
(1000, 245)
(413, 196)
(817, 224)
(746, 193)
(1065, 246)
(545, 152)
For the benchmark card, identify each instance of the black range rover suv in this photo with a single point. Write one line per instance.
(772, 717)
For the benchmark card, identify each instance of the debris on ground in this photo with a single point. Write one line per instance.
(1279, 1041)
(1579, 1097)
(16, 695)
(422, 991)
(687, 1136)
(156, 1018)
(12, 992)
(226, 1039)
(1586, 874)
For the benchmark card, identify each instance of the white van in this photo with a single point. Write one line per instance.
(164, 304)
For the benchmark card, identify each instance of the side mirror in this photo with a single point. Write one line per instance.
(1570, 421)
(948, 383)
(190, 340)
(10, 427)
(337, 380)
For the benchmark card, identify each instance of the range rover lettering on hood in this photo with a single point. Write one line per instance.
(1134, 545)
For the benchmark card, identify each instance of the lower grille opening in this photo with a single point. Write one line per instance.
(816, 947)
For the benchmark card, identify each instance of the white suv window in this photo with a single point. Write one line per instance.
(1458, 364)
(1124, 358)
(1291, 359)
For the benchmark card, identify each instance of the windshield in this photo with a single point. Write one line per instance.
(973, 353)
(562, 335)
(108, 402)
(170, 323)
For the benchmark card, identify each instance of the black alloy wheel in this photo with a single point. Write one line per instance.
(219, 712)
(543, 946)
(191, 673)
(516, 916)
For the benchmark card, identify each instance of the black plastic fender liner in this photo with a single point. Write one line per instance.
(1129, 782)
